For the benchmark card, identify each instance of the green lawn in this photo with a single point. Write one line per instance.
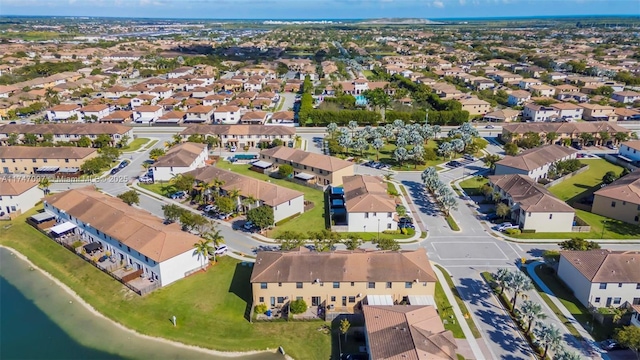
(472, 185)
(312, 220)
(446, 313)
(461, 305)
(160, 188)
(585, 183)
(386, 156)
(150, 145)
(572, 304)
(368, 73)
(601, 228)
(135, 145)
(452, 223)
(210, 306)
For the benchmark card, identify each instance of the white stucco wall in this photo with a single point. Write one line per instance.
(357, 221)
(289, 208)
(540, 221)
(22, 202)
(175, 268)
(575, 280)
(228, 118)
(625, 291)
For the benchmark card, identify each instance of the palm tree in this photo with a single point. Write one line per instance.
(44, 185)
(248, 203)
(203, 249)
(531, 311)
(519, 283)
(502, 277)
(215, 238)
(551, 136)
(234, 194)
(549, 337)
(565, 355)
(604, 136)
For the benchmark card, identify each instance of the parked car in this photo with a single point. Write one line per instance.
(115, 170)
(209, 208)
(145, 179)
(489, 127)
(248, 225)
(577, 146)
(178, 195)
(224, 216)
(610, 345)
(454, 163)
(233, 149)
(469, 157)
(612, 147)
(507, 227)
(504, 226)
(221, 250)
(492, 216)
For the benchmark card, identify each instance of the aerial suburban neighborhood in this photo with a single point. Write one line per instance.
(390, 187)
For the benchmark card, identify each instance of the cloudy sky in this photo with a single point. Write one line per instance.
(318, 9)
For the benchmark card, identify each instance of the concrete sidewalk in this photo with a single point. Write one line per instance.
(590, 348)
(471, 340)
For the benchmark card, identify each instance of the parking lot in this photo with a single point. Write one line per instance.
(460, 162)
(376, 165)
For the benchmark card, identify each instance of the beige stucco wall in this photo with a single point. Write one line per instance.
(326, 290)
(18, 166)
(624, 211)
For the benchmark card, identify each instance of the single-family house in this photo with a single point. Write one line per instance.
(94, 112)
(504, 115)
(602, 278)
(532, 206)
(118, 117)
(199, 114)
(283, 118)
(526, 84)
(626, 97)
(63, 112)
(568, 111)
(146, 114)
(518, 97)
(630, 150)
(534, 163)
(253, 118)
(535, 112)
(226, 114)
(596, 112)
(174, 117)
(474, 105)
(369, 206)
(543, 90)
(180, 72)
(179, 160)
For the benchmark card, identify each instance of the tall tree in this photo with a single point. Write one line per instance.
(215, 238)
(519, 283)
(377, 144)
(532, 312)
(502, 277)
(629, 336)
(549, 337)
(130, 197)
(172, 212)
(44, 184)
(203, 249)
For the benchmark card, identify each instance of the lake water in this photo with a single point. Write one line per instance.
(38, 321)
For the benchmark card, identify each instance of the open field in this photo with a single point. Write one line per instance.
(585, 183)
(472, 185)
(209, 305)
(136, 144)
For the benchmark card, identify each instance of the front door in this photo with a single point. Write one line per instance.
(344, 301)
(315, 301)
(272, 301)
(608, 301)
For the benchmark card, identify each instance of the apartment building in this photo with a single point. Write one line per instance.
(532, 206)
(34, 160)
(180, 159)
(284, 202)
(340, 281)
(534, 163)
(18, 195)
(602, 278)
(67, 132)
(241, 135)
(133, 236)
(311, 167)
(369, 207)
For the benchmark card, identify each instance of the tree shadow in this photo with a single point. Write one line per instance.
(474, 291)
(418, 194)
(536, 252)
(241, 286)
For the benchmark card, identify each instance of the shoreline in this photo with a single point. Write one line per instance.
(92, 310)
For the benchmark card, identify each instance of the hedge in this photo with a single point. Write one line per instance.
(283, 221)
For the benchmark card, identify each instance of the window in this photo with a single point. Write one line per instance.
(617, 300)
(298, 298)
(613, 204)
(366, 215)
(371, 285)
(408, 285)
(353, 284)
(389, 215)
(333, 299)
(34, 160)
(389, 226)
(280, 284)
(603, 286)
(261, 299)
(280, 299)
(336, 285)
(375, 215)
(550, 216)
(636, 301)
(638, 286)
(352, 299)
(66, 160)
(298, 285)
(597, 300)
(263, 285)
(635, 218)
(624, 203)
(45, 160)
(619, 285)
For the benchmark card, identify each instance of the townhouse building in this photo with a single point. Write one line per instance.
(63, 112)
(311, 167)
(284, 202)
(241, 135)
(17, 195)
(533, 207)
(341, 281)
(134, 237)
(602, 278)
(563, 130)
(619, 200)
(67, 132)
(180, 159)
(368, 205)
(36, 160)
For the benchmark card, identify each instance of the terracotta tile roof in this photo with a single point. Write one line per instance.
(148, 108)
(65, 107)
(182, 155)
(254, 115)
(221, 109)
(633, 144)
(606, 266)
(94, 107)
(200, 109)
(627, 188)
(318, 161)
(363, 193)
(303, 265)
(283, 115)
(133, 227)
(33, 152)
(562, 128)
(530, 196)
(407, 332)
(62, 129)
(121, 115)
(270, 194)
(236, 130)
(16, 186)
(537, 157)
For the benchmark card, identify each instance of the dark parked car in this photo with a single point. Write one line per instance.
(454, 163)
(611, 345)
(123, 164)
(577, 146)
(492, 216)
(115, 171)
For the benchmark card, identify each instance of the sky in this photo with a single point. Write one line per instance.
(318, 9)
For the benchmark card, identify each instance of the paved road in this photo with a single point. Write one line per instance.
(289, 101)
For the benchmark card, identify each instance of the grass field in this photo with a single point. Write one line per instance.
(452, 223)
(368, 73)
(472, 185)
(446, 313)
(585, 183)
(159, 188)
(136, 144)
(210, 305)
(461, 305)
